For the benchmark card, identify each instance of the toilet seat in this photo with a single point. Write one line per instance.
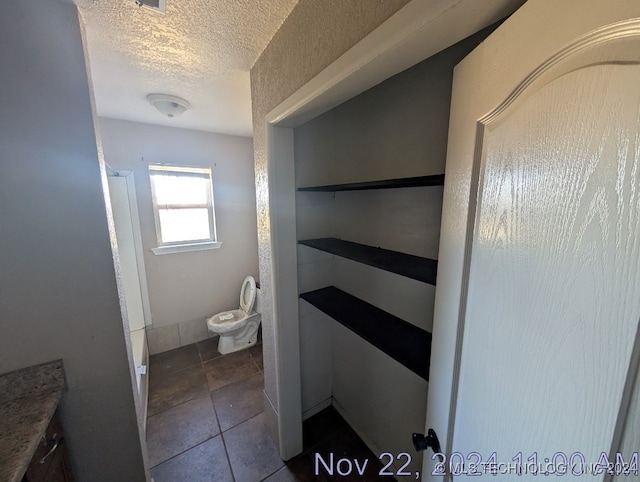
(248, 294)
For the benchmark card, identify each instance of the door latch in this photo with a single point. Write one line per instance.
(420, 442)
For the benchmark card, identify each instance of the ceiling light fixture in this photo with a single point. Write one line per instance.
(168, 105)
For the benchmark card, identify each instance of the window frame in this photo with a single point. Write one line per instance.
(184, 245)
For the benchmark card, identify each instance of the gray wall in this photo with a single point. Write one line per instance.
(185, 288)
(58, 295)
(396, 129)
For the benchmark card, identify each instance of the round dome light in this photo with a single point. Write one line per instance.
(168, 105)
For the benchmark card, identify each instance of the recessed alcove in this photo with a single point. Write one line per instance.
(369, 178)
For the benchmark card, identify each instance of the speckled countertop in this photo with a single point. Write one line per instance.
(28, 399)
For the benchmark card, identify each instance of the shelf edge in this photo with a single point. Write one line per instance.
(419, 181)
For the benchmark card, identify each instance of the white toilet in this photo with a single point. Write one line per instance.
(238, 329)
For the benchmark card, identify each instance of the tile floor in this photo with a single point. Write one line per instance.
(206, 423)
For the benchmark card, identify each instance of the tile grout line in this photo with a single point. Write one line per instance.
(226, 453)
(199, 443)
(184, 451)
(224, 444)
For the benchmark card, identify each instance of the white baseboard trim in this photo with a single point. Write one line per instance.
(316, 408)
(365, 438)
(394, 468)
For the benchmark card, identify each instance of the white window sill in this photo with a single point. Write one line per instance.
(183, 248)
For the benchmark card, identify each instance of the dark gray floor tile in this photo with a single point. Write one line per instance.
(256, 353)
(239, 401)
(299, 469)
(180, 428)
(176, 388)
(321, 426)
(173, 361)
(208, 348)
(229, 368)
(345, 443)
(206, 462)
(252, 453)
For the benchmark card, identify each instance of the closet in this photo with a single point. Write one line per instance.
(369, 178)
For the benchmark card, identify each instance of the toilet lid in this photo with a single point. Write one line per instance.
(248, 294)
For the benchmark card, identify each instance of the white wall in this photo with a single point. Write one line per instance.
(58, 295)
(185, 288)
(315, 218)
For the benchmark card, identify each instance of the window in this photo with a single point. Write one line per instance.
(183, 208)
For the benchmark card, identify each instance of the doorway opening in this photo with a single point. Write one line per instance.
(404, 40)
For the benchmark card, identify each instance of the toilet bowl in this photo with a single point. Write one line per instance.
(238, 329)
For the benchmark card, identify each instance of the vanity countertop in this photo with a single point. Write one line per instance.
(28, 400)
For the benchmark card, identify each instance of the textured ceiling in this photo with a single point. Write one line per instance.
(201, 50)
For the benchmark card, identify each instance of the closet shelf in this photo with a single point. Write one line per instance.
(433, 180)
(414, 267)
(402, 341)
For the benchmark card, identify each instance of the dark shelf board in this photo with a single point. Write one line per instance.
(402, 341)
(434, 180)
(414, 267)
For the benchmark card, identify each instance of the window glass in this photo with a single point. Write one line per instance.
(182, 204)
(184, 225)
(171, 189)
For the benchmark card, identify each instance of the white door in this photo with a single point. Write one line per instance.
(538, 296)
(123, 206)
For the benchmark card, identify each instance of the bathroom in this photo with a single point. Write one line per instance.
(184, 288)
(180, 290)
